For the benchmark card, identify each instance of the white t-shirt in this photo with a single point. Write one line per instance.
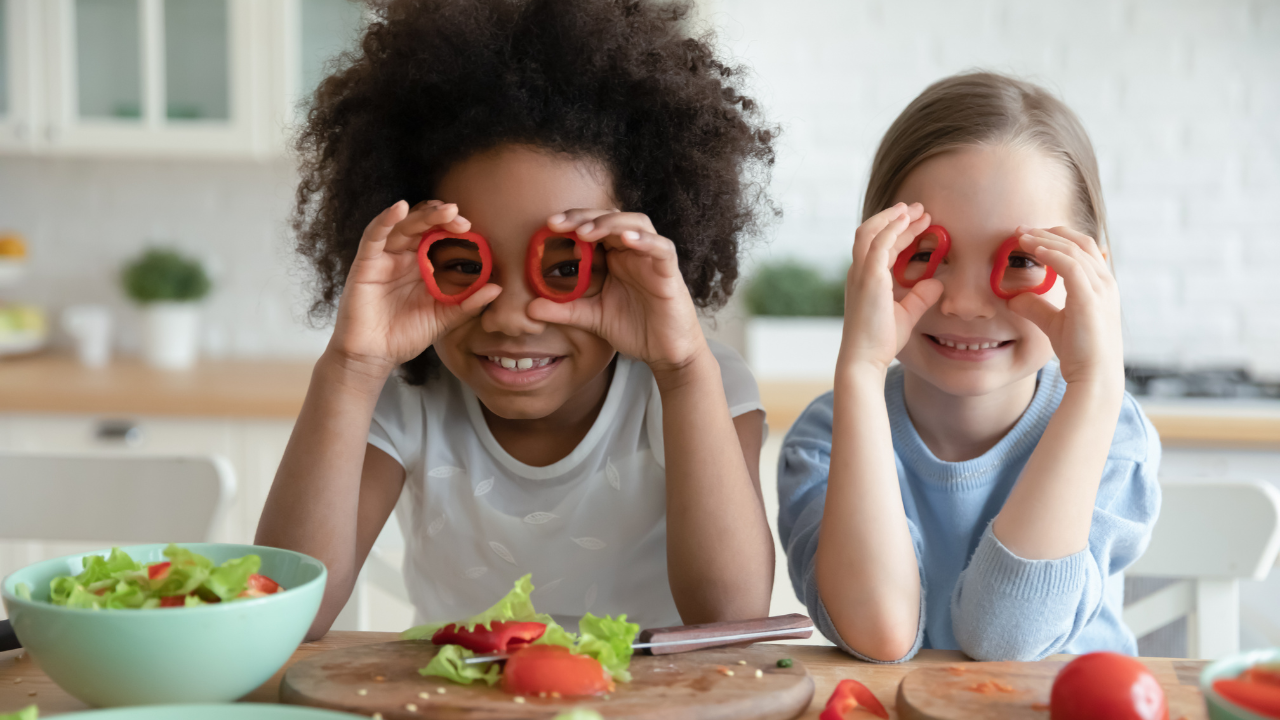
(591, 527)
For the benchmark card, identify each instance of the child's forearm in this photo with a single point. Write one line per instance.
(313, 505)
(866, 566)
(1050, 510)
(719, 548)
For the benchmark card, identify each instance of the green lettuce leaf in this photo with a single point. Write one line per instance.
(608, 641)
(232, 577)
(449, 663)
(98, 568)
(22, 590)
(30, 712)
(515, 606)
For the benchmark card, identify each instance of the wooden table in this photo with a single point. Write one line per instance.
(22, 682)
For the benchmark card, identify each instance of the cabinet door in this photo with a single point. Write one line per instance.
(20, 86)
(164, 77)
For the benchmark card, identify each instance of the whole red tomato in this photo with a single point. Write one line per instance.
(1107, 686)
(537, 669)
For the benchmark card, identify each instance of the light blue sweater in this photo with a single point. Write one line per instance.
(976, 595)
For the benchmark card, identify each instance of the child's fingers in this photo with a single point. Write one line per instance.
(479, 299)
(1048, 242)
(408, 232)
(1073, 272)
(654, 246)
(1086, 246)
(1086, 243)
(610, 224)
(893, 236)
(583, 313)
(875, 224)
(921, 297)
(573, 220)
(376, 232)
(1036, 309)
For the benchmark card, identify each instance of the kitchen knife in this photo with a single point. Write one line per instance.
(686, 638)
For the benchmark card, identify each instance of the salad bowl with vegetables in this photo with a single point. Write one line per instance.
(152, 624)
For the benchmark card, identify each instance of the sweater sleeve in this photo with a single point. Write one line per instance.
(1005, 607)
(803, 468)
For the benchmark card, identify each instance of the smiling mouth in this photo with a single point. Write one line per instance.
(521, 364)
(968, 346)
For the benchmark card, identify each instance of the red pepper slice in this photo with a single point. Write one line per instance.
(500, 637)
(533, 266)
(552, 669)
(1002, 264)
(848, 695)
(260, 586)
(936, 257)
(159, 571)
(173, 601)
(1261, 698)
(428, 270)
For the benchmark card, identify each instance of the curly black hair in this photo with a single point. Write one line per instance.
(621, 82)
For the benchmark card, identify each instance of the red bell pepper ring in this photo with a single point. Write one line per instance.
(500, 637)
(159, 571)
(848, 695)
(1258, 697)
(1002, 264)
(533, 266)
(428, 270)
(935, 258)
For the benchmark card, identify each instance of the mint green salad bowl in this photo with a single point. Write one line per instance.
(1219, 707)
(209, 653)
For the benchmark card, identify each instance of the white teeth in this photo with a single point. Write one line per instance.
(968, 346)
(520, 363)
(508, 363)
(524, 363)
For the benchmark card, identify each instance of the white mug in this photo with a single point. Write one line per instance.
(90, 326)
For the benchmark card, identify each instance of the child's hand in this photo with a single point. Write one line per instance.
(643, 309)
(1086, 332)
(385, 315)
(876, 327)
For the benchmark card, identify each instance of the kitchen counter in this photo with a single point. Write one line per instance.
(1181, 422)
(51, 383)
(22, 682)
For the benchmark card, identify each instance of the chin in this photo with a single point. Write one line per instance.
(519, 408)
(966, 379)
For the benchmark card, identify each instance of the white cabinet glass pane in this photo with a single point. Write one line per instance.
(4, 58)
(195, 59)
(329, 28)
(109, 58)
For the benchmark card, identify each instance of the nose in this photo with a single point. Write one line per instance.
(507, 314)
(966, 293)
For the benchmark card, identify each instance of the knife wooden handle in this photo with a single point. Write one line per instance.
(800, 627)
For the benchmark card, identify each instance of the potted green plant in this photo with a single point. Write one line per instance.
(168, 286)
(797, 315)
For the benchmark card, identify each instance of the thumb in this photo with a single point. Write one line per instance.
(1034, 308)
(583, 313)
(921, 298)
(451, 315)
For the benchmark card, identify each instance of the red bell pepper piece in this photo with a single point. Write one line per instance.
(500, 637)
(935, 258)
(1002, 264)
(428, 270)
(259, 586)
(1261, 698)
(159, 571)
(533, 266)
(173, 601)
(848, 695)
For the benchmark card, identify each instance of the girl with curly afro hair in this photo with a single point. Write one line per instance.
(579, 175)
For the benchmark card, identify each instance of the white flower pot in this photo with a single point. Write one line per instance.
(171, 334)
(793, 348)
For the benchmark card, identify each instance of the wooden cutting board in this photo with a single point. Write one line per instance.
(668, 687)
(1020, 690)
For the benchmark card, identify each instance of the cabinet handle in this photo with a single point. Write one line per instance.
(126, 432)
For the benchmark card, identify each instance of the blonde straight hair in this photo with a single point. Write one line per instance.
(983, 108)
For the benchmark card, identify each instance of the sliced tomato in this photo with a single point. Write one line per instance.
(173, 601)
(1261, 674)
(848, 696)
(501, 636)
(159, 571)
(259, 586)
(1261, 698)
(550, 669)
(1107, 686)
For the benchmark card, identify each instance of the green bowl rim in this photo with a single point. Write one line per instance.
(322, 578)
(1249, 658)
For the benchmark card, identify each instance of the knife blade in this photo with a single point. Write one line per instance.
(686, 638)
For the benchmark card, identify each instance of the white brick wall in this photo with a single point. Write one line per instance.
(1181, 98)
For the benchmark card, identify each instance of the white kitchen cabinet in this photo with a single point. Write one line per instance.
(171, 78)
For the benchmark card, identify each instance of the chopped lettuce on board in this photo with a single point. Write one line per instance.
(606, 639)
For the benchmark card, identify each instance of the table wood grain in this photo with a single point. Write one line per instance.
(22, 683)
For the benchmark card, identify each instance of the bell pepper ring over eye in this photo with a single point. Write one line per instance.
(935, 257)
(535, 258)
(1001, 266)
(429, 270)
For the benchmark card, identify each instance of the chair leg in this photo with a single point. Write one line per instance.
(1213, 631)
